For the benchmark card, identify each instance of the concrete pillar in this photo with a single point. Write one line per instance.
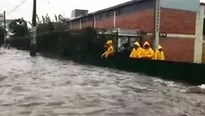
(70, 24)
(94, 21)
(199, 35)
(80, 25)
(156, 24)
(198, 43)
(114, 19)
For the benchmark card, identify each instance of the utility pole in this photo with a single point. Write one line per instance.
(33, 40)
(156, 24)
(5, 28)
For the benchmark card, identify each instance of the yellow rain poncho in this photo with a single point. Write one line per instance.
(110, 50)
(159, 55)
(147, 53)
(136, 52)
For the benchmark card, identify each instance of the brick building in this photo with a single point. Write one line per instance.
(177, 19)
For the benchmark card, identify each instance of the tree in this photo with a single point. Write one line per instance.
(38, 20)
(19, 27)
(60, 24)
(44, 20)
(56, 18)
(45, 27)
(48, 19)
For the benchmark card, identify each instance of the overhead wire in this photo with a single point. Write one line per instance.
(16, 7)
(21, 3)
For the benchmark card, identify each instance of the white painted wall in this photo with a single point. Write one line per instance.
(190, 5)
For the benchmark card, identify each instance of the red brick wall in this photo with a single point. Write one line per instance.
(172, 21)
(87, 24)
(142, 20)
(177, 21)
(105, 23)
(176, 49)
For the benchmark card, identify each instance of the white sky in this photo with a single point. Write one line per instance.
(53, 7)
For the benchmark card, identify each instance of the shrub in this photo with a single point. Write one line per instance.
(20, 42)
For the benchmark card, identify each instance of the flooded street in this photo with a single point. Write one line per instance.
(49, 87)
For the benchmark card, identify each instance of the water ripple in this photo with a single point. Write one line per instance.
(41, 86)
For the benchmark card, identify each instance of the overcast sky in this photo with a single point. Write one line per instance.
(53, 7)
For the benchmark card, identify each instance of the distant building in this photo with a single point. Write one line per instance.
(79, 13)
(177, 18)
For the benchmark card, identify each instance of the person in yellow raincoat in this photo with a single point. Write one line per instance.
(147, 52)
(136, 51)
(110, 50)
(159, 54)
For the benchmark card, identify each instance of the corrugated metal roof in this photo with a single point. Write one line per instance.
(111, 8)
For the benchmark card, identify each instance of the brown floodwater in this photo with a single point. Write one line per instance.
(41, 86)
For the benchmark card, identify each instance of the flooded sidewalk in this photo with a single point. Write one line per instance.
(39, 86)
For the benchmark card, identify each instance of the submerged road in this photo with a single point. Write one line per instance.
(50, 87)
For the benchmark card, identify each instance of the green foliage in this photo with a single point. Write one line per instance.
(54, 37)
(66, 43)
(19, 27)
(45, 27)
(20, 42)
(59, 26)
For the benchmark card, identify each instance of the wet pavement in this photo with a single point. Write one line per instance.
(50, 87)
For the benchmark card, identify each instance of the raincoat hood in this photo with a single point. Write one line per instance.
(160, 47)
(146, 43)
(109, 42)
(137, 44)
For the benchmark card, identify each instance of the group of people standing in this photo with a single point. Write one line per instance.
(138, 52)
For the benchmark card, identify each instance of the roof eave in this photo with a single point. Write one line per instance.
(110, 8)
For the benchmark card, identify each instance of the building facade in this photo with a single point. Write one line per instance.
(177, 20)
(79, 12)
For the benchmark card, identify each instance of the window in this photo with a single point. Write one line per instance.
(118, 12)
(99, 16)
(129, 9)
(104, 15)
(86, 19)
(109, 14)
(83, 20)
(135, 7)
(90, 18)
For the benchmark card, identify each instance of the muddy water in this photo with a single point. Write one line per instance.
(50, 87)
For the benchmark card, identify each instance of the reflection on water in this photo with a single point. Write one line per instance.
(49, 87)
